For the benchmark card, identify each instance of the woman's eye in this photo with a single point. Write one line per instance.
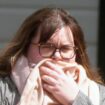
(68, 48)
(65, 49)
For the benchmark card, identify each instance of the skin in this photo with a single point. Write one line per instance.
(64, 88)
(58, 39)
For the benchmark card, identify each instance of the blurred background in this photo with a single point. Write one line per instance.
(89, 14)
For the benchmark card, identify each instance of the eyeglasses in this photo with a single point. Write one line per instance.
(48, 50)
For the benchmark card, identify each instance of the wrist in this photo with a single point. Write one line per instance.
(71, 101)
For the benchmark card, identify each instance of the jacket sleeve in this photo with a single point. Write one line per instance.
(82, 99)
(8, 92)
(102, 94)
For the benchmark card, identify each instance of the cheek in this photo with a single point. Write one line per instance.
(33, 55)
(36, 54)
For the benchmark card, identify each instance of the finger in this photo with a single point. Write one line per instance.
(49, 80)
(74, 67)
(49, 72)
(54, 67)
(71, 67)
(49, 88)
(66, 63)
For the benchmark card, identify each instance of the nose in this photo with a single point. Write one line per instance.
(57, 55)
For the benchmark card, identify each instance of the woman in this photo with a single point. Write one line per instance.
(46, 64)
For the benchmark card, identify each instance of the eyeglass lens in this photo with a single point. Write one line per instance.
(49, 50)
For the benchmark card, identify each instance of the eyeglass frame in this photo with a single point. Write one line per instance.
(39, 44)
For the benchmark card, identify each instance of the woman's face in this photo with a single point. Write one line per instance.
(60, 39)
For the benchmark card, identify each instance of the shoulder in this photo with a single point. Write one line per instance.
(82, 99)
(4, 80)
(101, 87)
(7, 84)
(8, 91)
(102, 94)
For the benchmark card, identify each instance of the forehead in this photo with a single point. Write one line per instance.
(62, 36)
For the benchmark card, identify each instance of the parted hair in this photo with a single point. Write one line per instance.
(47, 20)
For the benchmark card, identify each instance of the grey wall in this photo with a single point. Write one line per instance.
(13, 12)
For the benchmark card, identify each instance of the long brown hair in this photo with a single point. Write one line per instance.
(48, 20)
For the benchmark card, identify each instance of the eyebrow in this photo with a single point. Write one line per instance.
(50, 41)
(68, 44)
